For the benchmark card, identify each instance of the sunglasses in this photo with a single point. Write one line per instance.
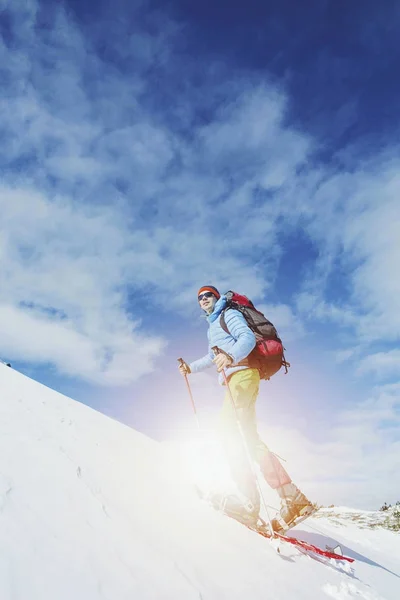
(205, 295)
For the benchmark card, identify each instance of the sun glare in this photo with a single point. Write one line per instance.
(204, 463)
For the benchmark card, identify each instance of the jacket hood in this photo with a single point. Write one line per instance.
(218, 308)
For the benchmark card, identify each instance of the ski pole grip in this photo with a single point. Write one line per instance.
(217, 350)
(182, 363)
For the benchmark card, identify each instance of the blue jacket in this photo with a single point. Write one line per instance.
(239, 344)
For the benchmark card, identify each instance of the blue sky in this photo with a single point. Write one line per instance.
(149, 148)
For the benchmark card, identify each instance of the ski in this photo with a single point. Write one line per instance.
(304, 545)
(300, 544)
(263, 530)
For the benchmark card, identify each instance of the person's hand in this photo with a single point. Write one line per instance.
(222, 361)
(184, 368)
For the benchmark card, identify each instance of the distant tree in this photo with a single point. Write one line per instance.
(385, 506)
(393, 520)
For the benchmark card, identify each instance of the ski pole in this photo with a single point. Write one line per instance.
(217, 351)
(182, 362)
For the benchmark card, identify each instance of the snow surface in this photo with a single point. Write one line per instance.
(91, 509)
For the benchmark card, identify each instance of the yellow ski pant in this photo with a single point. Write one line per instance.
(244, 386)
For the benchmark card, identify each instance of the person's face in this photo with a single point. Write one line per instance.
(207, 302)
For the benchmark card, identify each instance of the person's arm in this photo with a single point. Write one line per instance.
(202, 363)
(245, 340)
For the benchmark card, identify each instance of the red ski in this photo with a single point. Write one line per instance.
(264, 530)
(305, 546)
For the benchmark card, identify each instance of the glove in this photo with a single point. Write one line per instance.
(222, 361)
(184, 368)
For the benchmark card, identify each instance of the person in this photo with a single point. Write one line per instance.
(244, 383)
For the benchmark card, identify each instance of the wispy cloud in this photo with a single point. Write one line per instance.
(352, 289)
(289, 326)
(61, 300)
(384, 365)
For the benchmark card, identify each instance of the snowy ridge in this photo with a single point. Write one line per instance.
(93, 510)
(368, 519)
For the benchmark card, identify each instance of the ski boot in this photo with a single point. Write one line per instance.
(241, 510)
(295, 507)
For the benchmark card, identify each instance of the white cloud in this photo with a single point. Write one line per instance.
(355, 221)
(342, 356)
(289, 325)
(60, 290)
(249, 134)
(372, 238)
(382, 364)
(311, 306)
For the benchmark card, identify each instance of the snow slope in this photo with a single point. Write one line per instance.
(92, 510)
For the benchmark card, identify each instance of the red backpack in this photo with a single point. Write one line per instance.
(268, 355)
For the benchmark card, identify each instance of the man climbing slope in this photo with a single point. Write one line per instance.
(244, 382)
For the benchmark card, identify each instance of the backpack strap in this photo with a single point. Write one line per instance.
(223, 324)
(222, 321)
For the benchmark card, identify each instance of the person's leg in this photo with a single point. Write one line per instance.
(272, 469)
(244, 387)
(294, 503)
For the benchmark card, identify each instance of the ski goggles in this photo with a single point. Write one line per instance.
(205, 295)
